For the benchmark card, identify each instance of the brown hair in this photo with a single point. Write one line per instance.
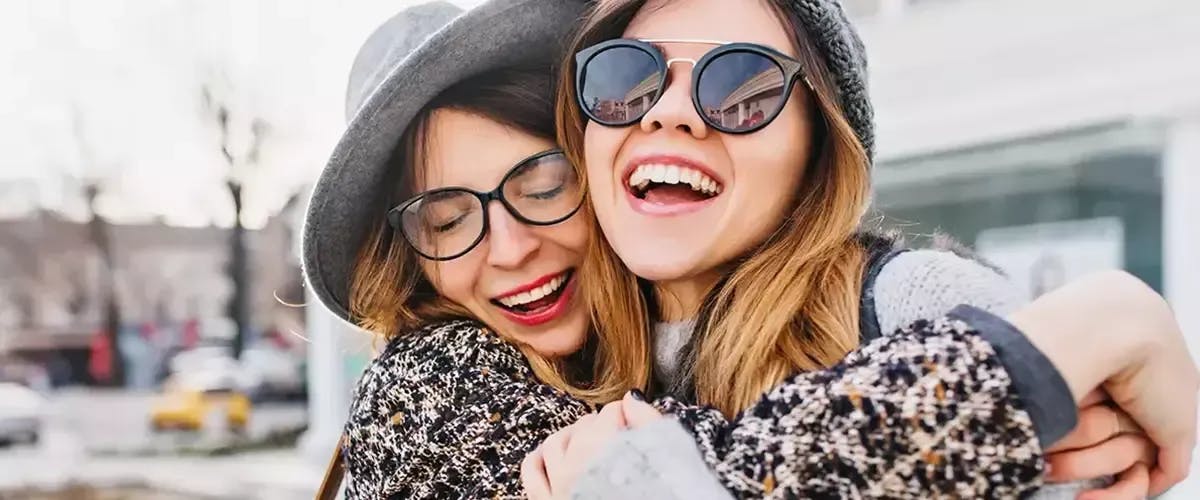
(792, 303)
(390, 294)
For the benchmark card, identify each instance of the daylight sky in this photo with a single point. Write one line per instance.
(111, 90)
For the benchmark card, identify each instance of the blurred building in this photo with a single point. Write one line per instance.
(1058, 137)
(52, 298)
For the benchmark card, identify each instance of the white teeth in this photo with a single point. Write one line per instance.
(658, 173)
(672, 176)
(532, 295)
(643, 175)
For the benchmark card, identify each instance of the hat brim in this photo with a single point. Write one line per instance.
(495, 35)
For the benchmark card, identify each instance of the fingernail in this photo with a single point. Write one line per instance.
(637, 394)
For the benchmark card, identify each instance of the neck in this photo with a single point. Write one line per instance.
(679, 300)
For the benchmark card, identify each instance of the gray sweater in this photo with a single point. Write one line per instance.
(662, 461)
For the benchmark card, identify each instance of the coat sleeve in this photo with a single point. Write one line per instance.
(929, 283)
(925, 413)
(449, 411)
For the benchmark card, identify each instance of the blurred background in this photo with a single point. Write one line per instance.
(154, 341)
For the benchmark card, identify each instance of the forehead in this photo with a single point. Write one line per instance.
(726, 20)
(463, 149)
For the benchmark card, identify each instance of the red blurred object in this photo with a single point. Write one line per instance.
(100, 358)
(278, 339)
(191, 333)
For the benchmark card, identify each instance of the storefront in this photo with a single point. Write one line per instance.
(1046, 209)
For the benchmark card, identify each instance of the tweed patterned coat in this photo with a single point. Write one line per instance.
(451, 410)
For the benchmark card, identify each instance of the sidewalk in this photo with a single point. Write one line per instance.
(273, 475)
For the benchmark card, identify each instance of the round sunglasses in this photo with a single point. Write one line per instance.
(737, 88)
(446, 223)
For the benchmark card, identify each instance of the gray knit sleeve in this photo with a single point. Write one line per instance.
(659, 460)
(924, 284)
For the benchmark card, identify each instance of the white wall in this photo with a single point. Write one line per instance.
(953, 74)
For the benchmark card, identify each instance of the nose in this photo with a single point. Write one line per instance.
(511, 244)
(674, 110)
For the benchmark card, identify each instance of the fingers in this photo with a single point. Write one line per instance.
(612, 416)
(1175, 456)
(1108, 458)
(534, 478)
(1097, 424)
(1095, 397)
(554, 456)
(1172, 467)
(637, 412)
(1133, 483)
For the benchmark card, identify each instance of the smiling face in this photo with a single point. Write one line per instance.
(519, 278)
(677, 199)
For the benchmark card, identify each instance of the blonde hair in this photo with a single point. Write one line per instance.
(389, 293)
(792, 303)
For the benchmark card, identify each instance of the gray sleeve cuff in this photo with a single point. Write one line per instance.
(1047, 398)
(659, 460)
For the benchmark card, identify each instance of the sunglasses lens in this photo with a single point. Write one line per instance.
(740, 91)
(443, 224)
(619, 85)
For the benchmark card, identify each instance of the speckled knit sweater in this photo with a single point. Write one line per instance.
(450, 411)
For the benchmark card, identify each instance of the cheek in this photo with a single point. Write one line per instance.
(770, 164)
(454, 280)
(572, 236)
(790, 138)
(601, 145)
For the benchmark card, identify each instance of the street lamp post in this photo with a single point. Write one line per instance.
(98, 229)
(238, 269)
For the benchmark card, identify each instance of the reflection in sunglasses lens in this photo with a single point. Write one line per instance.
(619, 85)
(740, 90)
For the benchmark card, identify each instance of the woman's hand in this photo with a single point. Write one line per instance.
(1111, 331)
(1106, 442)
(551, 470)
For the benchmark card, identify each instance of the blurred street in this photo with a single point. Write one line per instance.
(103, 438)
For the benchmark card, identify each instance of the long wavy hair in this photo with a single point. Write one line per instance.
(791, 304)
(390, 294)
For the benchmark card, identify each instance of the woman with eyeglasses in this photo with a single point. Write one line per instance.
(446, 207)
(728, 151)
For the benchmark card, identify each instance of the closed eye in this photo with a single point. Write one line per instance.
(449, 225)
(548, 194)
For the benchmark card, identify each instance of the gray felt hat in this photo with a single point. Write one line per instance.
(406, 63)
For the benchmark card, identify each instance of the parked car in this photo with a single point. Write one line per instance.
(199, 401)
(22, 411)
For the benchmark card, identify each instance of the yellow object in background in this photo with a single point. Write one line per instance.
(191, 409)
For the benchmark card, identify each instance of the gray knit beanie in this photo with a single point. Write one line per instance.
(836, 38)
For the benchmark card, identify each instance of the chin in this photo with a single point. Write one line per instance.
(562, 340)
(654, 263)
(559, 347)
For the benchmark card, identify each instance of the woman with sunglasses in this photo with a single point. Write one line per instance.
(728, 154)
(446, 221)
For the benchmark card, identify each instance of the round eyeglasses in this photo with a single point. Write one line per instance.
(446, 223)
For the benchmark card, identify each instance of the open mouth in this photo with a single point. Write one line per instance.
(667, 184)
(538, 298)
